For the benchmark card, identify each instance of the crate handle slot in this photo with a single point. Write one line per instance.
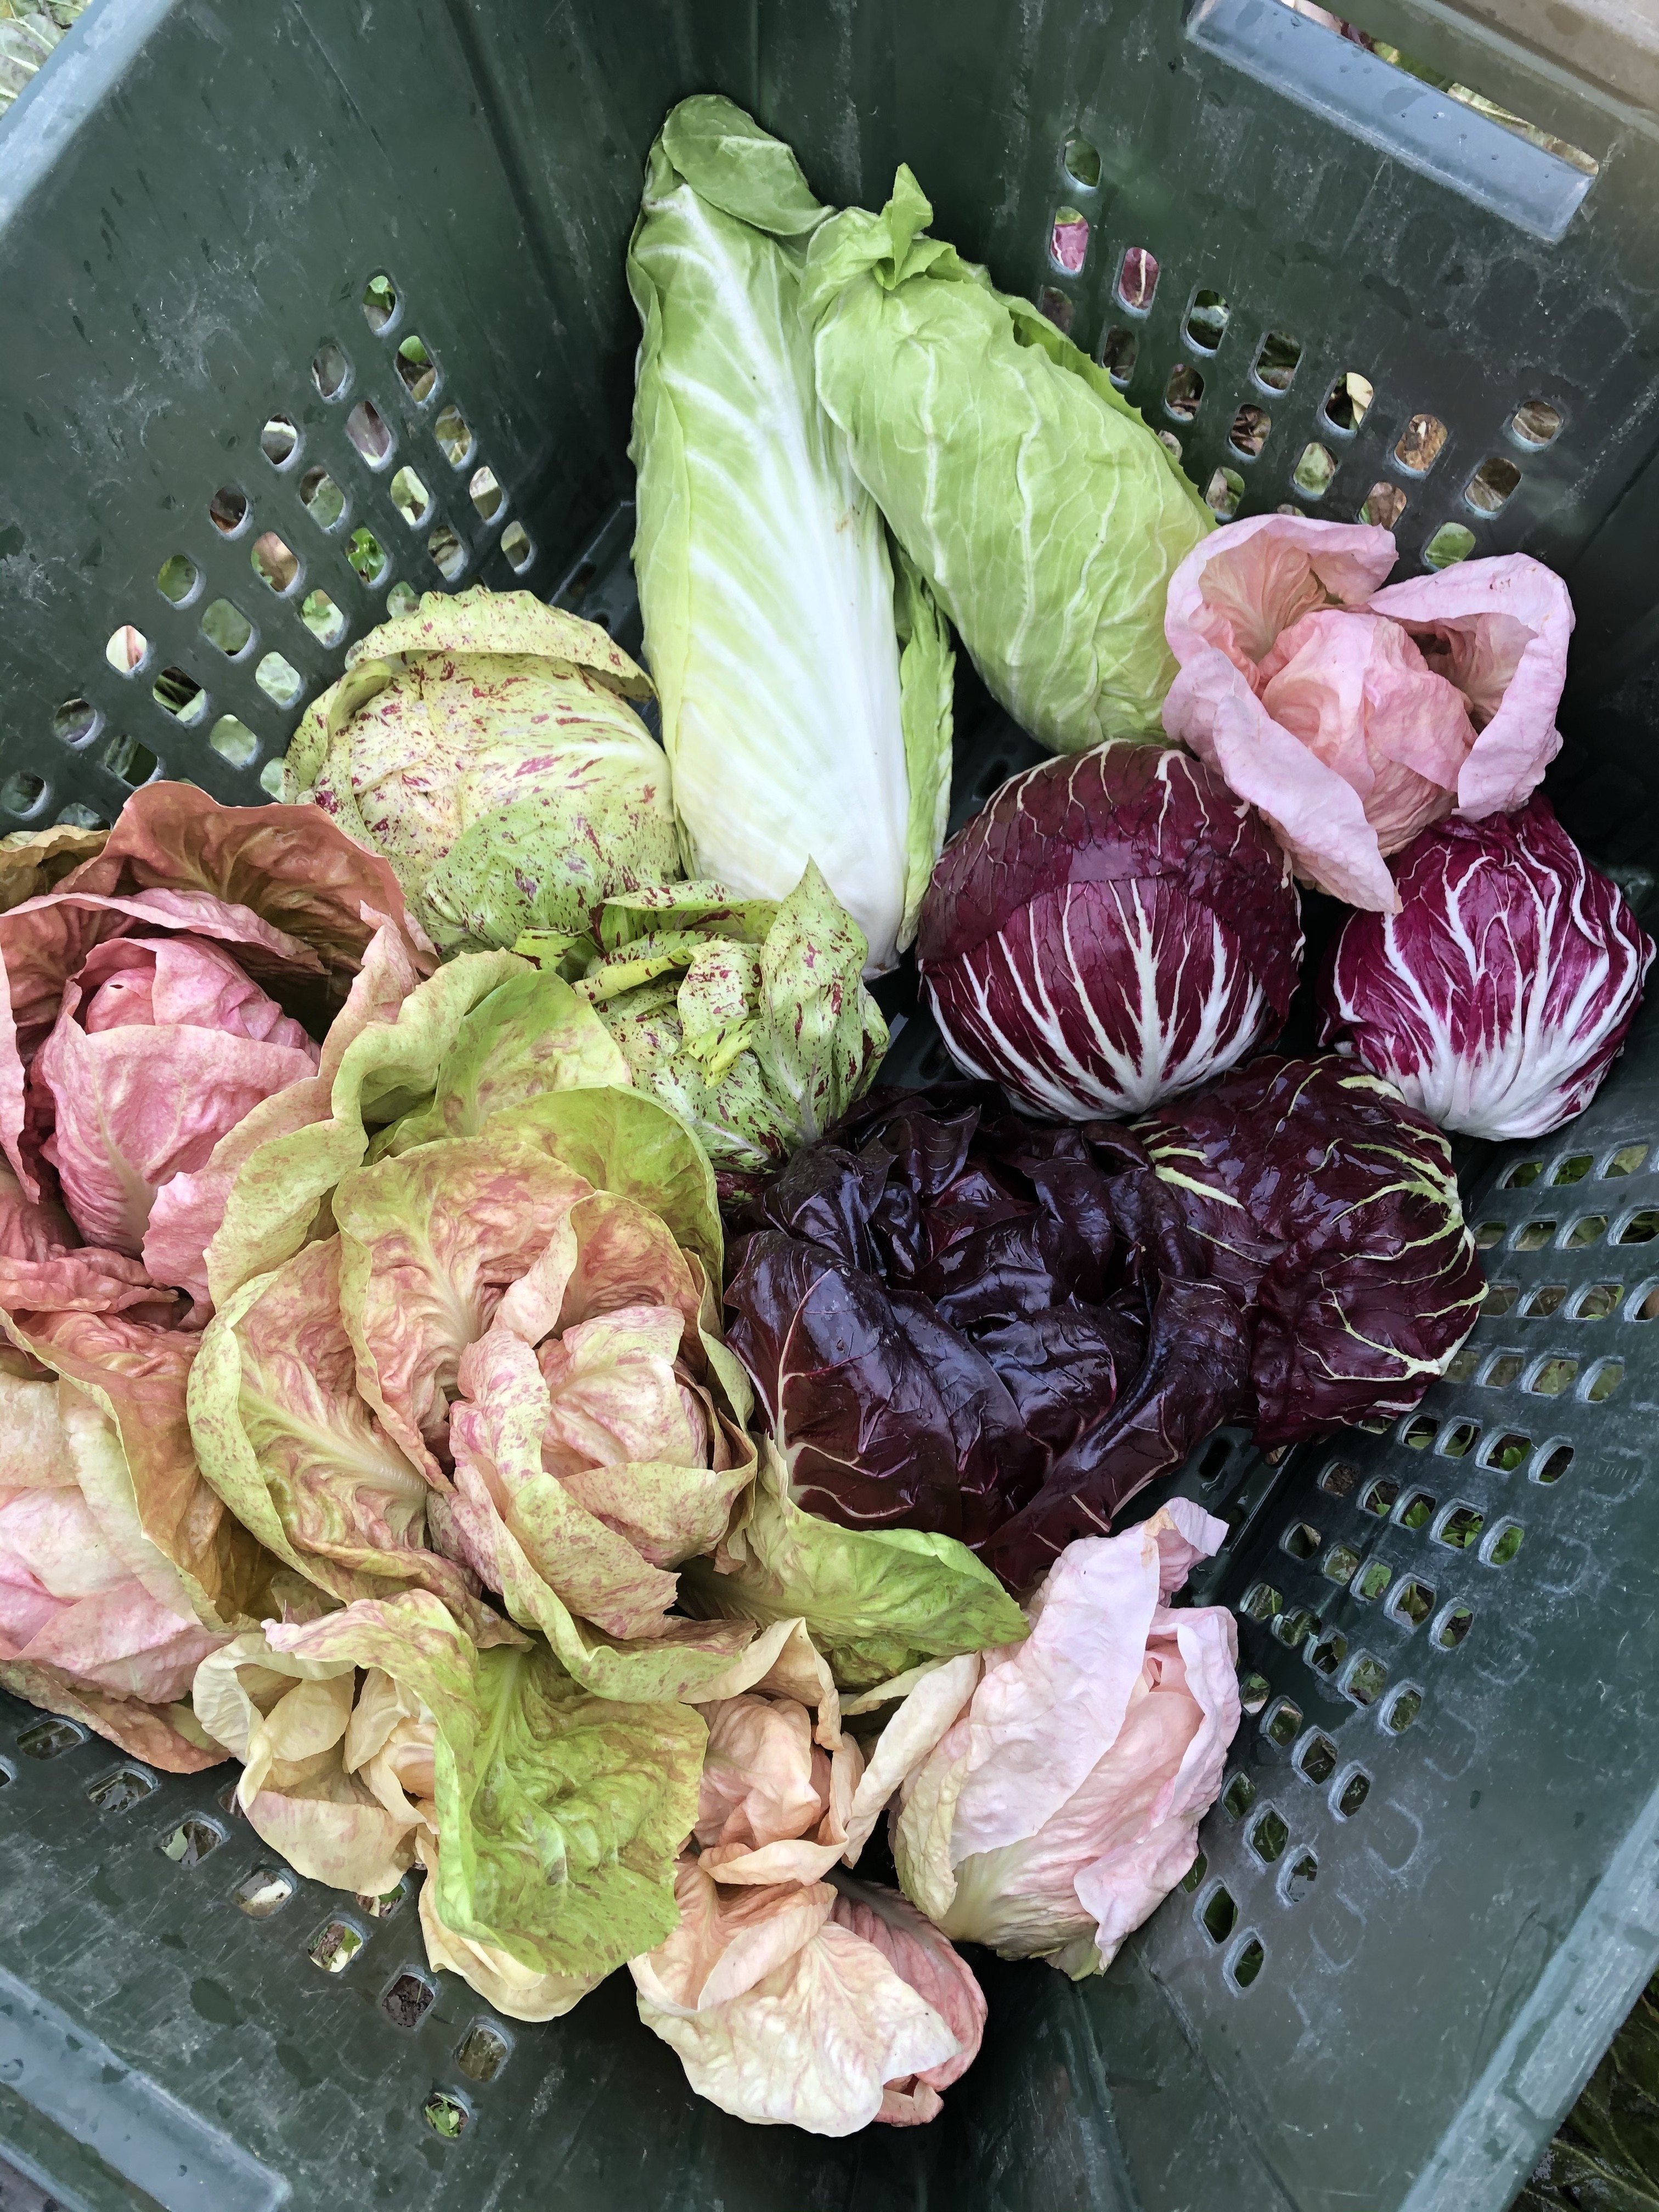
(1429, 131)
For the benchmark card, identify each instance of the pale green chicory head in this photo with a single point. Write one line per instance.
(1042, 511)
(805, 673)
(485, 746)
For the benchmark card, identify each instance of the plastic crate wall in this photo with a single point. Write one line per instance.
(194, 199)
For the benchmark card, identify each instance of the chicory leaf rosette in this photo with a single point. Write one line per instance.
(747, 1017)
(1330, 1208)
(962, 1323)
(183, 991)
(547, 1818)
(500, 1371)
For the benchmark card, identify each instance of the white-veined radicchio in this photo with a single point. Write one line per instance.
(1329, 1209)
(1500, 994)
(1110, 931)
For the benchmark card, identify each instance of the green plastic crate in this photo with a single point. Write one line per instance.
(1433, 1887)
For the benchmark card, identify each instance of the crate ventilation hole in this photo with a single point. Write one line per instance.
(1206, 357)
(262, 1892)
(1418, 1539)
(250, 637)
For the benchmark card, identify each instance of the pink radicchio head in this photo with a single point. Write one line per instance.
(163, 992)
(1110, 931)
(1500, 994)
(1062, 1805)
(1355, 717)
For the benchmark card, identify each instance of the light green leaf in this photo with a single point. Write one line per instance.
(559, 1813)
(624, 1142)
(877, 1601)
(1042, 511)
(763, 563)
(387, 1067)
(532, 1033)
(928, 668)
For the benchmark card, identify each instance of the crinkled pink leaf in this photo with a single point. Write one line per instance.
(121, 1641)
(763, 1776)
(135, 1106)
(167, 1736)
(283, 1432)
(811, 2044)
(48, 1535)
(1048, 1708)
(1127, 1882)
(1103, 1861)
(1498, 630)
(727, 1940)
(1243, 584)
(291, 864)
(669, 1511)
(495, 1429)
(921, 1956)
(69, 1596)
(615, 1394)
(139, 1373)
(1317, 816)
(431, 1238)
(677, 1660)
(43, 946)
(626, 1255)
(849, 1811)
(158, 981)
(44, 1267)
(189, 1211)
(1357, 693)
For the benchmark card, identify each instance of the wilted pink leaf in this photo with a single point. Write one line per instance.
(1353, 717)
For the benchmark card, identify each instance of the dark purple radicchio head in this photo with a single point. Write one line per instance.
(1114, 929)
(1329, 1208)
(960, 1321)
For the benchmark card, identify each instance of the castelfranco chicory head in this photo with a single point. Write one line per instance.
(486, 746)
(1109, 932)
(1328, 1205)
(1500, 994)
